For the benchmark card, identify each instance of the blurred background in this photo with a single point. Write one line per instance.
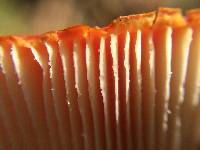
(22, 17)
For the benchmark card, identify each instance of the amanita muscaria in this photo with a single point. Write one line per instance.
(131, 85)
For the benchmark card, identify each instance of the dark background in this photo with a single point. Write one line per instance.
(37, 16)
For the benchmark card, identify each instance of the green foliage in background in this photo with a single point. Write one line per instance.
(11, 20)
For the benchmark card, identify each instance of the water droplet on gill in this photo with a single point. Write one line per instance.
(169, 111)
(19, 82)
